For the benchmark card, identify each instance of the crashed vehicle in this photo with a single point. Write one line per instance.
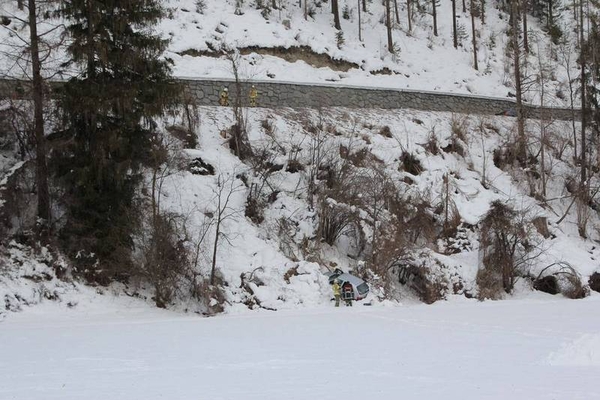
(360, 288)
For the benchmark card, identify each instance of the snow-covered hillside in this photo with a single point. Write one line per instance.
(277, 263)
(274, 260)
(280, 253)
(284, 46)
(423, 61)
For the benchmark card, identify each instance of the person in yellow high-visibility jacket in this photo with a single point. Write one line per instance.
(224, 97)
(253, 96)
(337, 292)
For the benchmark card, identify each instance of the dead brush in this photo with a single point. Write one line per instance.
(385, 131)
(414, 273)
(268, 126)
(361, 158)
(410, 163)
(568, 280)
(459, 127)
(432, 145)
(290, 273)
(489, 283)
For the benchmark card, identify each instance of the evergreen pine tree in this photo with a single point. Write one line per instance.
(109, 113)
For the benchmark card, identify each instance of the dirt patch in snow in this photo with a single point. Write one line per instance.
(291, 54)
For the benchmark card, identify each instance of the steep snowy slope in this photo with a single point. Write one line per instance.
(274, 251)
(274, 263)
(282, 45)
(422, 60)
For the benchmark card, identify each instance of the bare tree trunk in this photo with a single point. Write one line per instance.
(43, 195)
(359, 22)
(446, 201)
(20, 4)
(409, 13)
(434, 8)
(522, 148)
(154, 204)
(214, 257)
(364, 5)
(90, 18)
(335, 9)
(484, 159)
(583, 102)
(464, 4)
(542, 123)
(243, 149)
(475, 64)
(543, 154)
(576, 19)
(220, 210)
(226, 187)
(482, 12)
(525, 35)
(567, 59)
(397, 12)
(388, 20)
(454, 33)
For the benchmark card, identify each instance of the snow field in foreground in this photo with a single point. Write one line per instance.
(534, 348)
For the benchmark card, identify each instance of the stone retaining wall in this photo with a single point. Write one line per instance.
(205, 92)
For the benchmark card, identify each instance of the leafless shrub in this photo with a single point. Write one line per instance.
(334, 220)
(385, 131)
(557, 143)
(362, 158)
(18, 213)
(200, 6)
(287, 231)
(164, 258)
(418, 276)
(294, 166)
(227, 186)
(268, 127)
(255, 205)
(410, 163)
(573, 287)
(320, 159)
(191, 120)
(432, 145)
(509, 244)
(264, 165)
(455, 146)
(458, 135)
(212, 297)
(239, 143)
(333, 130)
(447, 207)
(15, 122)
(505, 155)
(459, 127)
(583, 216)
(489, 283)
